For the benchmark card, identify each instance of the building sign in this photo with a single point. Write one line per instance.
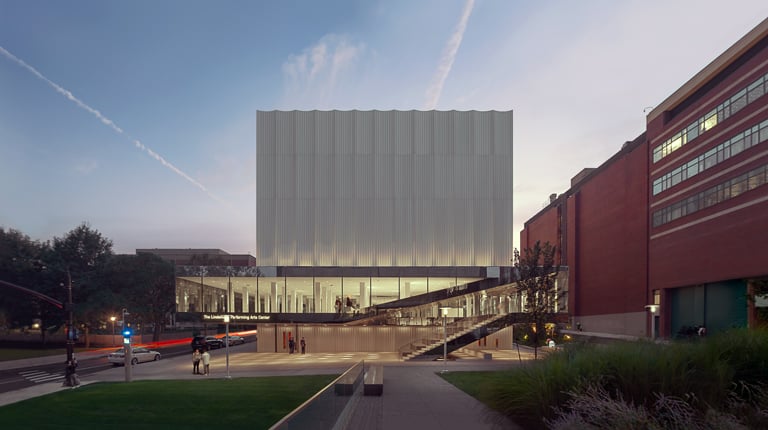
(236, 318)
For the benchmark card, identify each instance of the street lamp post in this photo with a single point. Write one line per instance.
(445, 338)
(226, 343)
(113, 329)
(71, 368)
(128, 351)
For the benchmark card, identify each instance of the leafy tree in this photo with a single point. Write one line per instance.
(535, 276)
(22, 262)
(146, 285)
(78, 257)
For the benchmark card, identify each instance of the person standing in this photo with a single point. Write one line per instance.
(303, 345)
(196, 356)
(291, 345)
(206, 358)
(71, 379)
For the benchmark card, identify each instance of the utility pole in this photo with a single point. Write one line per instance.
(71, 369)
(128, 348)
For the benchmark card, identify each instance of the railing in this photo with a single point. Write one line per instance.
(332, 407)
(457, 327)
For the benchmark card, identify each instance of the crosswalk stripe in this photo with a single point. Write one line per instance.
(47, 378)
(40, 376)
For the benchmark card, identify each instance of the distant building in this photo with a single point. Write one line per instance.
(200, 257)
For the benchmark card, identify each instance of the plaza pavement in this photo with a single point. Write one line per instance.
(415, 396)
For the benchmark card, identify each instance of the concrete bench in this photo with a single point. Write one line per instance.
(373, 382)
(346, 383)
(477, 353)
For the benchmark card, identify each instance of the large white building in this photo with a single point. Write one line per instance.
(384, 188)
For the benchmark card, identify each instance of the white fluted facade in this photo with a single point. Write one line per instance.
(384, 188)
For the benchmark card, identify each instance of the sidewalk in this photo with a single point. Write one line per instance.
(416, 397)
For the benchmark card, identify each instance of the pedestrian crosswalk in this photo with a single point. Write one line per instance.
(38, 376)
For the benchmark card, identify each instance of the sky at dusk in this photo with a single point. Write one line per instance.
(140, 117)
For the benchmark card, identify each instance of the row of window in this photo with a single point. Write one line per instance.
(730, 148)
(709, 120)
(712, 196)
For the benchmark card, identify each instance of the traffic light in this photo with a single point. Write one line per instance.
(127, 333)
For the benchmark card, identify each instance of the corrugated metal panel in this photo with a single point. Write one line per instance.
(384, 188)
(274, 337)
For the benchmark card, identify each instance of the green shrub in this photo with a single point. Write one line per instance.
(638, 373)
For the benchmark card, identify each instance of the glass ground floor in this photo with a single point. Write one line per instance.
(398, 295)
(220, 289)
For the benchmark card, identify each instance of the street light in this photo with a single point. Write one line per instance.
(445, 337)
(128, 349)
(71, 381)
(654, 311)
(113, 329)
(226, 343)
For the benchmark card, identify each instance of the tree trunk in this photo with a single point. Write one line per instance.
(42, 332)
(157, 330)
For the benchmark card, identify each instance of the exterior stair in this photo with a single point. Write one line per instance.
(433, 349)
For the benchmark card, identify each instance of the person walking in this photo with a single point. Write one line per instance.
(206, 358)
(196, 356)
(303, 345)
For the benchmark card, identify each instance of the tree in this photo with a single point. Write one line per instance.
(146, 285)
(79, 256)
(22, 262)
(535, 276)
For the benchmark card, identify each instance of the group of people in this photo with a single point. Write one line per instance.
(292, 345)
(197, 357)
(350, 305)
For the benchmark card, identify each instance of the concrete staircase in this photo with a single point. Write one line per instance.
(419, 352)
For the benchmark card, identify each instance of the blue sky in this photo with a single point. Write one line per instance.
(139, 117)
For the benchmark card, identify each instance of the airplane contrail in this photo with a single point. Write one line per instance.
(104, 120)
(449, 55)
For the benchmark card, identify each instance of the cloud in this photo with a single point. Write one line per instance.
(312, 76)
(449, 56)
(104, 120)
(85, 167)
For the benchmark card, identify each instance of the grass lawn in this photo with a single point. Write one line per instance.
(472, 383)
(240, 403)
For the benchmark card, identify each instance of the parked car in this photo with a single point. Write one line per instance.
(201, 342)
(198, 342)
(234, 339)
(138, 355)
(214, 342)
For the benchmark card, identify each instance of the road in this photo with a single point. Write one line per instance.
(51, 369)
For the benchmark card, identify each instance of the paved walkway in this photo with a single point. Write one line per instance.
(415, 396)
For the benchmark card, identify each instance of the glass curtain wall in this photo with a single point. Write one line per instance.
(202, 292)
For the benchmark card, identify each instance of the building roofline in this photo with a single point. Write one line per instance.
(626, 148)
(711, 70)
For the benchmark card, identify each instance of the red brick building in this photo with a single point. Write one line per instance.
(671, 232)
